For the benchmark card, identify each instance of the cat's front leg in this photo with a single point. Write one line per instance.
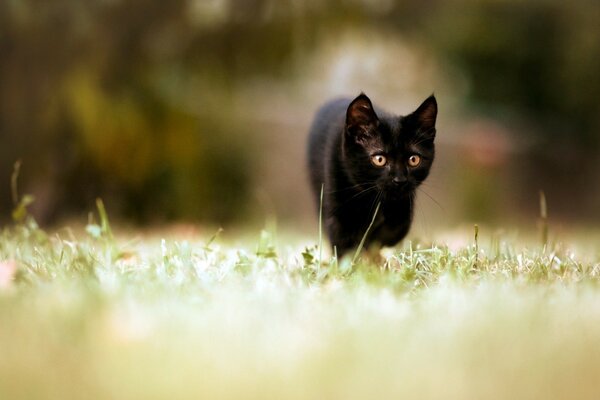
(342, 239)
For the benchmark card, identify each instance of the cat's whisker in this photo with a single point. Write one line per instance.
(432, 185)
(361, 193)
(358, 185)
(432, 199)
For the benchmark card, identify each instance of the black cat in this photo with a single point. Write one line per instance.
(362, 156)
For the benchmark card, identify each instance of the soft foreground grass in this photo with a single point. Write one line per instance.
(98, 317)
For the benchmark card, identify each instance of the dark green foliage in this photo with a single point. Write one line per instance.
(134, 101)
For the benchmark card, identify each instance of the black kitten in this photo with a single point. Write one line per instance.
(363, 157)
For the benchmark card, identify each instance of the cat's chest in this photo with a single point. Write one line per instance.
(388, 230)
(391, 222)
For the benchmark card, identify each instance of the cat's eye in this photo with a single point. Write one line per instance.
(414, 160)
(378, 160)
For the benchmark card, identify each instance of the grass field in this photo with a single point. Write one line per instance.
(103, 317)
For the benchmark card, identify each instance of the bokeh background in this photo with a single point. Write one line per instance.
(198, 110)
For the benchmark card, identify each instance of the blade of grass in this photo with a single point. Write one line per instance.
(321, 227)
(212, 239)
(13, 182)
(105, 225)
(362, 241)
(476, 228)
(543, 219)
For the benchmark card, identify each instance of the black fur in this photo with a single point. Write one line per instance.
(344, 136)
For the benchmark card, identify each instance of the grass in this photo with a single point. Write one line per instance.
(102, 316)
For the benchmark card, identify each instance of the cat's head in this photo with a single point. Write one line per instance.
(394, 153)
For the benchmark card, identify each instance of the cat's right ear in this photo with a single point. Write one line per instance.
(426, 115)
(361, 119)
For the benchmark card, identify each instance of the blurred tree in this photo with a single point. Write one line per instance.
(135, 100)
(534, 66)
(85, 103)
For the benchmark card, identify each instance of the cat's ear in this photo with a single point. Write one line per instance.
(361, 119)
(426, 115)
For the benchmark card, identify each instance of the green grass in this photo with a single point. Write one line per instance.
(100, 316)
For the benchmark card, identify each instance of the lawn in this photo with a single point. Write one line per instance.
(132, 316)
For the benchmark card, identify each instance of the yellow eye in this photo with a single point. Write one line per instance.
(378, 160)
(414, 160)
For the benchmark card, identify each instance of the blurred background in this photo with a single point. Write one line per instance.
(198, 110)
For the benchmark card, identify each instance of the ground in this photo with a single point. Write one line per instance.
(106, 316)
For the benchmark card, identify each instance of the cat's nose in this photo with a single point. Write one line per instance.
(398, 180)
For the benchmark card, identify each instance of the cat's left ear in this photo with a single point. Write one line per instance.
(426, 115)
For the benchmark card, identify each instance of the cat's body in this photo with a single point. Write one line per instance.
(363, 156)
